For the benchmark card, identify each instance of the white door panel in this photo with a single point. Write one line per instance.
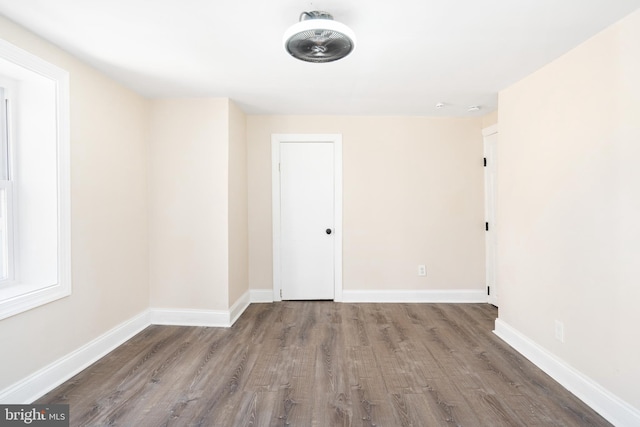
(490, 146)
(306, 213)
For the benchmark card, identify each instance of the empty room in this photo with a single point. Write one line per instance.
(232, 213)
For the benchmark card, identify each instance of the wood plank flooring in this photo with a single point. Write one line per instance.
(323, 364)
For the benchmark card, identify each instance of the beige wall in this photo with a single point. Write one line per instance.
(490, 119)
(109, 132)
(189, 207)
(238, 210)
(413, 194)
(139, 169)
(159, 190)
(568, 207)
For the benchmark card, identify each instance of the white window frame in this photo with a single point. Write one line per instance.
(17, 297)
(10, 258)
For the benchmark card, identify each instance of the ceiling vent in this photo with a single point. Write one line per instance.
(318, 38)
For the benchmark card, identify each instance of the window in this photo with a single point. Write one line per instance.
(34, 182)
(7, 238)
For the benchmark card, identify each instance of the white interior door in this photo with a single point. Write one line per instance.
(490, 144)
(305, 221)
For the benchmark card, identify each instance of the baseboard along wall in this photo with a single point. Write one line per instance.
(44, 380)
(49, 377)
(612, 408)
(416, 296)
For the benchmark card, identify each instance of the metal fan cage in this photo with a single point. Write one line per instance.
(318, 38)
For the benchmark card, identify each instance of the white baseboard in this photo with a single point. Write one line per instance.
(238, 307)
(417, 296)
(261, 295)
(611, 407)
(46, 379)
(189, 317)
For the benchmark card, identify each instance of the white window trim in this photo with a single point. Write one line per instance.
(10, 232)
(18, 298)
(9, 186)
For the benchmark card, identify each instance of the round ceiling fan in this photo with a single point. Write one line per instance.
(318, 38)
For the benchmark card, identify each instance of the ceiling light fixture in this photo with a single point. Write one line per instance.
(318, 38)
(474, 108)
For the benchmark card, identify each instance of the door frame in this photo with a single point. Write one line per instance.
(336, 140)
(490, 216)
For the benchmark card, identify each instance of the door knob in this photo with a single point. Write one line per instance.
(328, 231)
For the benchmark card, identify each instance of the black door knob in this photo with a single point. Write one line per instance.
(328, 231)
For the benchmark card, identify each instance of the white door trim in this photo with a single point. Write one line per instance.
(276, 140)
(489, 209)
(490, 130)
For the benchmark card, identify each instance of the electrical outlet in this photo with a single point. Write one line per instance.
(559, 331)
(422, 270)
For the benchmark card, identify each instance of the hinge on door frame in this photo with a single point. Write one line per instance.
(486, 226)
(488, 290)
(485, 162)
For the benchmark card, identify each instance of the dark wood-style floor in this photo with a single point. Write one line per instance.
(323, 364)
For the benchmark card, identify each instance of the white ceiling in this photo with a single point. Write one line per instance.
(411, 54)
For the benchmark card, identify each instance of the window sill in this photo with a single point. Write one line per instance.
(16, 299)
